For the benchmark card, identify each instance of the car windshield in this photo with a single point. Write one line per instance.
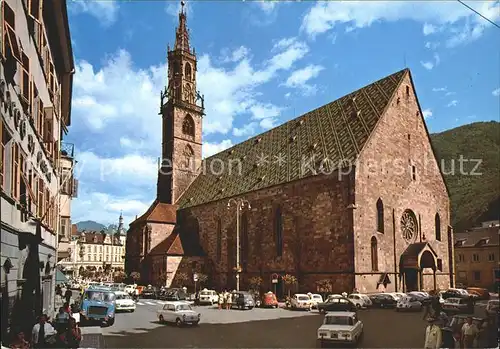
(316, 296)
(303, 298)
(181, 307)
(338, 320)
(123, 296)
(100, 296)
(205, 293)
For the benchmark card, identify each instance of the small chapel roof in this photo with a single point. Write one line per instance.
(336, 131)
(159, 213)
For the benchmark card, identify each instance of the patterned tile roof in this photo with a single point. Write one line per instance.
(485, 236)
(336, 131)
(158, 212)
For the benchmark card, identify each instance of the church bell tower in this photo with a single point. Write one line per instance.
(182, 110)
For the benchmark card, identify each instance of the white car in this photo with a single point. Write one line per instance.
(124, 302)
(360, 300)
(315, 299)
(301, 301)
(409, 303)
(208, 297)
(340, 327)
(130, 289)
(180, 313)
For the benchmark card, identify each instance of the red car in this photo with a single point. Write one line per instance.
(269, 300)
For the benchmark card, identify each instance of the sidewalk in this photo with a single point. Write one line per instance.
(92, 338)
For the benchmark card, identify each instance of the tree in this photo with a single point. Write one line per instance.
(181, 278)
(289, 281)
(255, 283)
(202, 278)
(119, 276)
(135, 275)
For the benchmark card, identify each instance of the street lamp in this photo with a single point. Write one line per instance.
(240, 204)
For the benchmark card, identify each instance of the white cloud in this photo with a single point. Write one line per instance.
(496, 92)
(453, 103)
(209, 149)
(299, 78)
(106, 209)
(449, 16)
(246, 130)
(427, 65)
(430, 65)
(287, 95)
(432, 45)
(427, 113)
(267, 6)
(105, 11)
(429, 29)
(237, 55)
(450, 93)
(439, 89)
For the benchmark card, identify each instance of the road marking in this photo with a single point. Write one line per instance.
(139, 303)
(162, 303)
(150, 303)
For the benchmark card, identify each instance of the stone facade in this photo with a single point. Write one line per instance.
(35, 101)
(377, 220)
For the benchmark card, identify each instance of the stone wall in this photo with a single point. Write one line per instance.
(316, 240)
(384, 171)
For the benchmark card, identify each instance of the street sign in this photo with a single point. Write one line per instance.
(274, 281)
(195, 277)
(274, 278)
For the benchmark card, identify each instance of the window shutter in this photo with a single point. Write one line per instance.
(75, 188)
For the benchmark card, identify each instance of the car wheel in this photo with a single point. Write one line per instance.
(178, 322)
(161, 319)
(321, 311)
(196, 323)
(358, 306)
(275, 306)
(111, 322)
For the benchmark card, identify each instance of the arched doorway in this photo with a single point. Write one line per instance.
(413, 261)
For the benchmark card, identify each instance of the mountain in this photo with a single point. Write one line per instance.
(474, 190)
(90, 226)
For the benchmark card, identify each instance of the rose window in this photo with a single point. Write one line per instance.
(409, 226)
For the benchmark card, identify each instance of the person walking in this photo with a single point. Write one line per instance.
(20, 342)
(41, 331)
(220, 301)
(229, 301)
(433, 335)
(67, 295)
(469, 333)
(72, 336)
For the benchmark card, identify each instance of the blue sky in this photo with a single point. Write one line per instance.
(259, 65)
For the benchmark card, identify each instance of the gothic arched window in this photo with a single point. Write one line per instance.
(437, 226)
(188, 126)
(278, 231)
(374, 253)
(188, 157)
(219, 240)
(244, 239)
(187, 71)
(177, 68)
(380, 216)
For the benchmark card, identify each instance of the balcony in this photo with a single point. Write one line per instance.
(67, 149)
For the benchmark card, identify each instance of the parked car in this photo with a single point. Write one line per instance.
(455, 293)
(479, 293)
(383, 300)
(492, 307)
(242, 300)
(458, 306)
(360, 300)
(124, 302)
(98, 305)
(409, 303)
(130, 289)
(208, 297)
(269, 300)
(423, 297)
(336, 304)
(150, 292)
(340, 328)
(315, 299)
(179, 313)
(174, 295)
(300, 301)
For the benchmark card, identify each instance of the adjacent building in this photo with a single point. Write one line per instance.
(36, 74)
(348, 195)
(95, 254)
(477, 256)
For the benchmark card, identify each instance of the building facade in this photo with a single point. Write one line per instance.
(95, 254)
(35, 103)
(477, 256)
(349, 195)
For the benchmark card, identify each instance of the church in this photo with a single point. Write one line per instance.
(347, 196)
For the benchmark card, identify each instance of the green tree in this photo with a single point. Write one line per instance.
(290, 282)
(255, 283)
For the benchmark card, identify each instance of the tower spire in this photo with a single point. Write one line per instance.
(182, 34)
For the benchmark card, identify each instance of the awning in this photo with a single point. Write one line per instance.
(412, 256)
(60, 277)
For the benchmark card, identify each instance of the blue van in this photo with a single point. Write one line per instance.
(98, 304)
